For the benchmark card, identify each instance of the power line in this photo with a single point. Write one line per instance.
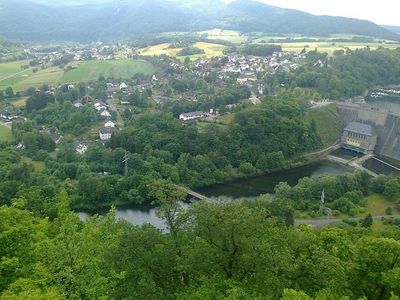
(125, 160)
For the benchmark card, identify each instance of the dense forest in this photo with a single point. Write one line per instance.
(92, 22)
(345, 75)
(221, 250)
(211, 251)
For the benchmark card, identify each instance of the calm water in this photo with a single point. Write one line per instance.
(239, 189)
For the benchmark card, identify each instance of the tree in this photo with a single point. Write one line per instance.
(367, 222)
(9, 92)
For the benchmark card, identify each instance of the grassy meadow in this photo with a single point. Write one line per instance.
(92, 70)
(324, 44)
(225, 35)
(5, 133)
(329, 125)
(11, 74)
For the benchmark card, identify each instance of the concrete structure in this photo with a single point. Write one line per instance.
(192, 116)
(359, 137)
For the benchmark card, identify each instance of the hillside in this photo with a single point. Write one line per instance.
(42, 20)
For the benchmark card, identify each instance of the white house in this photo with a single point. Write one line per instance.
(81, 146)
(99, 106)
(109, 124)
(105, 113)
(191, 115)
(106, 133)
(123, 86)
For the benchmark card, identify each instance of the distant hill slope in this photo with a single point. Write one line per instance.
(44, 20)
(395, 29)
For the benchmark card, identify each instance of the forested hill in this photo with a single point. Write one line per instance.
(42, 20)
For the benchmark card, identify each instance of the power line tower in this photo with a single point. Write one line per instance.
(322, 203)
(125, 161)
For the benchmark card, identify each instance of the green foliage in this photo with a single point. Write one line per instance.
(190, 51)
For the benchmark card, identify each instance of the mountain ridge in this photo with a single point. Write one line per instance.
(117, 19)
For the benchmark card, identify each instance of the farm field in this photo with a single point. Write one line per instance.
(225, 35)
(331, 47)
(20, 102)
(11, 74)
(5, 133)
(92, 70)
(49, 76)
(210, 49)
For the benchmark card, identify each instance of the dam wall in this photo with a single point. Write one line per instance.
(385, 122)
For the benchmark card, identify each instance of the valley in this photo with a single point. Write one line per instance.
(199, 149)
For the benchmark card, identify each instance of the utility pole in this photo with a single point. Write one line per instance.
(126, 159)
(322, 203)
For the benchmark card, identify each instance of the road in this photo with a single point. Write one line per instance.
(324, 222)
(113, 107)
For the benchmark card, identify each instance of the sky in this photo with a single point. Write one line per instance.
(383, 12)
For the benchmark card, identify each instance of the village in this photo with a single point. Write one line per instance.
(246, 73)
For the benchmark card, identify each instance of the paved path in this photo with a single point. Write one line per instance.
(193, 193)
(330, 221)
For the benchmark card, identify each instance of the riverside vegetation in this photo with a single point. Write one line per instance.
(211, 251)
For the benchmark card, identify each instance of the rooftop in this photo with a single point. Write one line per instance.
(359, 128)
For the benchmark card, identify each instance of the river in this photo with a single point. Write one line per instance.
(239, 189)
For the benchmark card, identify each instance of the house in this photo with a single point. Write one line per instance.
(109, 124)
(191, 115)
(123, 86)
(78, 103)
(359, 137)
(81, 146)
(56, 137)
(106, 133)
(105, 113)
(99, 106)
(5, 115)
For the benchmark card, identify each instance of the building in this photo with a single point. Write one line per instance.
(123, 86)
(191, 115)
(109, 124)
(81, 146)
(359, 137)
(56, 137)
(105, 113)
(106, 133)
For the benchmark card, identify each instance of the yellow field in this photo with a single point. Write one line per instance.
(20, 102)
(159, 50)
(210, 49)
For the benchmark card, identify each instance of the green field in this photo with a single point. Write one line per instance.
(377, 205)
(329, 125)
(92, 70)
(5, 134)
(210, 49)
(11, 74)
(324, 44)
(225, 35)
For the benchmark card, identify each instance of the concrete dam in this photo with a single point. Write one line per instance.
(385, 123)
